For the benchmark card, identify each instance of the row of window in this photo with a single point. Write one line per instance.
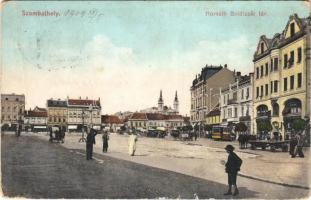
(263, 70)
(227, 97)
(234, 112)
(15, 108)
(56, 119)
(263, 90)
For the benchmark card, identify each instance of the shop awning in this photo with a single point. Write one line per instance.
(161, 128)
(96, 127)
(39, 127)
(72, 127)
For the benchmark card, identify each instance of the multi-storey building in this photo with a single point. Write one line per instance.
(36, 120)
(83, 113)
(236, 103)
(205, 90)
(12, 110)
(57, 113)
(146, 121)
(282, 70)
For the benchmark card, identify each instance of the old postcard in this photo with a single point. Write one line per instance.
(160, 99)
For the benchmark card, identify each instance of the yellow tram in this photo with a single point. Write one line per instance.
(221, 133)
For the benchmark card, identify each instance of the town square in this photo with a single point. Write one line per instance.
(148, 100)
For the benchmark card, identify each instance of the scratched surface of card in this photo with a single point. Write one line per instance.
(142, 100)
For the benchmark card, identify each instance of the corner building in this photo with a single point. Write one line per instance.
(281, 72)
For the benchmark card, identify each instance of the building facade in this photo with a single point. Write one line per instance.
(236, 103)
(12, 110)
(83, 113)
(36, 120)
(281, 72)
(205, 90)
(57, 113)
(111, 122)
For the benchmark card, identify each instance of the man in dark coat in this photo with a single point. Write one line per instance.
(90, 140)
(233, 165)
(105, 141)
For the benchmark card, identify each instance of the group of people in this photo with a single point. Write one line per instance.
(243, 140)
(59, 134)
(296, 145)
(90, 141)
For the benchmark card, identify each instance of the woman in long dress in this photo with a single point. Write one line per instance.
(132, 144)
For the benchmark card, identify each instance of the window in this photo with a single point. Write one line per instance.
(275, 86)
(235, 112)
(292, 29)
(285, 60)
(275, 109)
(16, 99)
(247, 93)
(299, 55)
(292, 79)
(267, 69)
(230, 112)
(262, 47)
(285, 84)
(261, 71)
(271, 87)
(267, 89)
(261, 91)
(242, 94)
(242, 111)
(271, 65)
(257, 92)
(257, 73)
(6, 99)
(292, 59)
(276, 64)
(299, 80)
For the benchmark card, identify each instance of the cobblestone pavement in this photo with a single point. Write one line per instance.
(199, 159)
(34, 168)
(203, 158)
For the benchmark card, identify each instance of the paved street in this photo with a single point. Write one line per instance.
(34, 168)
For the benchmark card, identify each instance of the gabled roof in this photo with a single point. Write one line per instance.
(111, 119)
(214, 112)
(174, 117)
(31, 113)
(138, 116)
(155, 116)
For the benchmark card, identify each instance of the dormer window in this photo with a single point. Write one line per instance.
(292, 29)
(261, 47)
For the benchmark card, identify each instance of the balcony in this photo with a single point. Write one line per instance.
(232, 101)
(264, 114)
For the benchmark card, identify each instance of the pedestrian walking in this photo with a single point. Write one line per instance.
(105, 138)
(90, 141)
(233, 165)
(132, 144)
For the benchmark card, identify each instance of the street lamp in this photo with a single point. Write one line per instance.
(91, 113)
(82, 139)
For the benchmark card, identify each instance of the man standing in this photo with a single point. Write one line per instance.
(300, 142)
(90, 140)
(105, 141)
(233, 165)
(292, 145)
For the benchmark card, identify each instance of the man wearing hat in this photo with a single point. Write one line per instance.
(233, 165)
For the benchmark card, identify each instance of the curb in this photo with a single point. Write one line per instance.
(274, 182)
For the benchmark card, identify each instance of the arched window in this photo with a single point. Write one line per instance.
(275, 109)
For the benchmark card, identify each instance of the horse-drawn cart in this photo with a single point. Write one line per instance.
(273, 145)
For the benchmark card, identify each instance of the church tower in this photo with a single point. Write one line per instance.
(176, 103)
(160, 102)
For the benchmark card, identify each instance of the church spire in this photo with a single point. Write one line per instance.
(176, 98)
(160, 102)
(176, 103)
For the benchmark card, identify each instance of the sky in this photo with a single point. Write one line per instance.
(126, 52)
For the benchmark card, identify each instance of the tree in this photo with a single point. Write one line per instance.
(264, 126)
(299, 125)
(240, 127)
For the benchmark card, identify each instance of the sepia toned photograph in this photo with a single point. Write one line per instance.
(155, 99)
